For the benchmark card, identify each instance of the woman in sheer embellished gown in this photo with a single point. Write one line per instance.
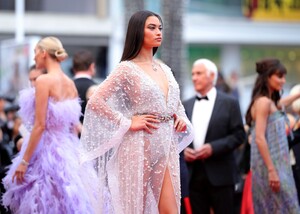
(45, 177)
(273, 186)
(135, 126)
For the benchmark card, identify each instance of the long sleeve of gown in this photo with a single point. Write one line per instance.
(186, 137)
(104, 124)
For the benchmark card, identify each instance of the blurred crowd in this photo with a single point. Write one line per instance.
(10, 123)
(84, 70)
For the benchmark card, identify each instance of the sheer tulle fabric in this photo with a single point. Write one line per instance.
(131, 165)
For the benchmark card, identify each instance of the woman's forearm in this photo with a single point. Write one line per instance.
(288, 100)
(33, 141)
(264, 151)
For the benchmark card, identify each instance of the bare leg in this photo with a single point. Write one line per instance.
(167, 202)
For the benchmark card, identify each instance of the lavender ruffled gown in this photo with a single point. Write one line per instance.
(54, 179)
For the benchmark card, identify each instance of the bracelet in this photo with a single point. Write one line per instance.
(24, 162)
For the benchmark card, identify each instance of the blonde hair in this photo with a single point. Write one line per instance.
(54, 48)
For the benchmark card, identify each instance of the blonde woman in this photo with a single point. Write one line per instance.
(44, 177)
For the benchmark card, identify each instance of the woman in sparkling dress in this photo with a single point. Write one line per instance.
(135, 126)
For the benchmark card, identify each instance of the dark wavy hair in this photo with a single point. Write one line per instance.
(265, 69)
(135, 34)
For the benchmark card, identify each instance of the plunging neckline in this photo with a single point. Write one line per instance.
(166, 96)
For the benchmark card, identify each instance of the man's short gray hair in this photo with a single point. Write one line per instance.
(210, 66)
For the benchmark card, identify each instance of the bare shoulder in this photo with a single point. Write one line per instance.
(263, 105)
(44, 80)
(263, 101)
(43, 85)
(70, 86)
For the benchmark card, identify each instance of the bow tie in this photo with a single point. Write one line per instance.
(202, 98)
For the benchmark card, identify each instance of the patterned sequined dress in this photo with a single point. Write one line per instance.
(132, 164)
(53, 180)
(264, 199)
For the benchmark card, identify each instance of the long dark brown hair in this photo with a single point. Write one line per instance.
(135, 34)
(265, 69)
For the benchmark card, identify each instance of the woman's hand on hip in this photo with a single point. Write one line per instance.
(179, 124)
(144, 122)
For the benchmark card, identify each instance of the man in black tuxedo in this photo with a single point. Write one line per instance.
(84, 70)
(295, 161)
(219, 130)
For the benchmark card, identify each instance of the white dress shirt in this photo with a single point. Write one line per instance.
(201, 116)
(82, 75)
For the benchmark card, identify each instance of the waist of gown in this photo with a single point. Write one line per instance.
(161, 117)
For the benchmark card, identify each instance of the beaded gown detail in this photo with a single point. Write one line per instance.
(132, 164)
(264, 199)
(53, 180)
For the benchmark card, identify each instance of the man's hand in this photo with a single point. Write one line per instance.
(189, 154)
(204, 151)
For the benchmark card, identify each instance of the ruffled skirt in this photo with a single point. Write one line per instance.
(54, 180)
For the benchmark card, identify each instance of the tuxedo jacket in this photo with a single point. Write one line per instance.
(82, 85)
(225, 133)
(295, 145)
